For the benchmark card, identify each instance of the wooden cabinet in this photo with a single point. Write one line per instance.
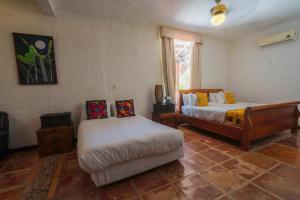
(55, 140)
(163, 108)
(168, 119)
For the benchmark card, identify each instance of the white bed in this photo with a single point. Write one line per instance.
(214, 111)
(115, 148)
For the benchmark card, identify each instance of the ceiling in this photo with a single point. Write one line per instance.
(244, 17)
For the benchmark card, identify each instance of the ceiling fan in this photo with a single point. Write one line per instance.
(218, 13)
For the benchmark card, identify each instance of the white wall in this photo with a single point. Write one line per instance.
(215, 59)
(269, 74)
(91, 56)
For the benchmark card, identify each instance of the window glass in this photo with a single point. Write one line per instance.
(183, 55)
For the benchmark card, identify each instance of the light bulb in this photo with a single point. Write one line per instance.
(218, 19)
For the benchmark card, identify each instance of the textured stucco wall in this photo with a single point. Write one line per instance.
(215, 59)
(92, 55)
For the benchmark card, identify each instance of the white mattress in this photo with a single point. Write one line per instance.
(119, 172)
(214, 111)
(103, 143)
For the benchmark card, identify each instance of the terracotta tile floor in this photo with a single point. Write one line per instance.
(212, 168)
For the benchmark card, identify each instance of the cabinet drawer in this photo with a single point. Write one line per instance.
(47, 131)
(168, 120)
(49, 136)
(55, 140)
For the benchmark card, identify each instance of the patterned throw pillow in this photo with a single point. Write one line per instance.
(96, 109)
(125, 108)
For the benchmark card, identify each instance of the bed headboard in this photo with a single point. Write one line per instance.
(180, 103)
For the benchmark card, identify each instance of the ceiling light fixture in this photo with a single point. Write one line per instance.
(218, 13)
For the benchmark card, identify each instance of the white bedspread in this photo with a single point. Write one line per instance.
(214, 111)
(103, 143)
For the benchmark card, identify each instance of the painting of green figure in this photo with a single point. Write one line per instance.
(35, 59)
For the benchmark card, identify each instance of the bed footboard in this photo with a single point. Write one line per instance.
(261, 121)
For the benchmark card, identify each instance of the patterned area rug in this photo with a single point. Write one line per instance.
(41, 183)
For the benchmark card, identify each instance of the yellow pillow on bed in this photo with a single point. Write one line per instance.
(202, 99)
(229, 97)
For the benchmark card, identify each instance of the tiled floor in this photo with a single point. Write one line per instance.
(212, 168)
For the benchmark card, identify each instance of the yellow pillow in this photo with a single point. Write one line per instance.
(229, 97)
(202, 99)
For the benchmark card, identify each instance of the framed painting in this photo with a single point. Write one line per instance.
(35, 59)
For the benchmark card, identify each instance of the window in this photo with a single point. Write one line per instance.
(183, 56)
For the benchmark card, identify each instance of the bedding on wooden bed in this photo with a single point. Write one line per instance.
(232, 113)
(235, 116)
(259, 120)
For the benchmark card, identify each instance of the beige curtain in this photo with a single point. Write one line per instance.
(169, 66)
(168, 57)
(195, 81)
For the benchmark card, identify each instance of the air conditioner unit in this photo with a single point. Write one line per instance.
(277, 38)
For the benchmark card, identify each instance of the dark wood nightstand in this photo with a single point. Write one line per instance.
(164, 108)
(168, 119)
(55, 140)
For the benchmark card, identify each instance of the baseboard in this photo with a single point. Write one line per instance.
(26, 148)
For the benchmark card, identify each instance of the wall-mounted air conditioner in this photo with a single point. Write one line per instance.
(277, 38)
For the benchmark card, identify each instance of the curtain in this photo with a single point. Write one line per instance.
(195, 80)
(171, 77)
(169, 66)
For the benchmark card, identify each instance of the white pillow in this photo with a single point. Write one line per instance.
(193, 99)
(186, 99)
(220, 97)
(212, 97)
(83, 115)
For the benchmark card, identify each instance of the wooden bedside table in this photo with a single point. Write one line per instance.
(55, 140)
(168, 119)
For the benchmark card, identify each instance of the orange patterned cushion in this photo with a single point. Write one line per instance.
(125, 108)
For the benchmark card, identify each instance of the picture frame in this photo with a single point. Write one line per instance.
(35, 59)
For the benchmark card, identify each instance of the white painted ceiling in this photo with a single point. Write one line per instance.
(244, 17)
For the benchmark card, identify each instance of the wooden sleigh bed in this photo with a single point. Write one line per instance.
(259, 121)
